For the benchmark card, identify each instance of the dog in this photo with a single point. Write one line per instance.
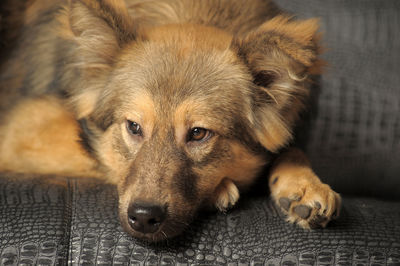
(179, 103)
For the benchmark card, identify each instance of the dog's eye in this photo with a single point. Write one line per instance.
(198, 134)
(133, 128)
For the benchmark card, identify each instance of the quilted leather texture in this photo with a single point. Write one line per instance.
(46, 223)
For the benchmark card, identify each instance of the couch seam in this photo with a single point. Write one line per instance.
(71, 196)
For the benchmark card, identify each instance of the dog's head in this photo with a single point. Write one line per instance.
(181, 116)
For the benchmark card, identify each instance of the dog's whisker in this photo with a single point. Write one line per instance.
(165, 236)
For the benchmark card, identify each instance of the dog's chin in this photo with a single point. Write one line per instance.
(169, 229)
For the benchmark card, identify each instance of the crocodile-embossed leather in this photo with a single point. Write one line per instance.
(34, 221)
(368, 232)
(45, 223)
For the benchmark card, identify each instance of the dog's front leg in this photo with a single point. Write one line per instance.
(300, 194)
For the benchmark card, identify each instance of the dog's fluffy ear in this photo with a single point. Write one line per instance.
(99, 28)
(280, 55)
(97, 31)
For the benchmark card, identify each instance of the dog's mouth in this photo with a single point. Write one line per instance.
(168, 230)
(151, 223)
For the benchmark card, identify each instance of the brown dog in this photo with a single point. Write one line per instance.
(180, 103)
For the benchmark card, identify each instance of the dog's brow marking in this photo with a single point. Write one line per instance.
(181, 120)
(135, 116)
(142, 111)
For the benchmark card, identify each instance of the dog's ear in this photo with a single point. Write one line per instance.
(281, 55)
(96, 30)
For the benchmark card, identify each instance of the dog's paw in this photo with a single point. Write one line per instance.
(306, 201)
(226, 195)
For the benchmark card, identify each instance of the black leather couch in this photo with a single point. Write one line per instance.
(352, 136)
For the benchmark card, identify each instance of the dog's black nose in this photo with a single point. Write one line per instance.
(145, 217)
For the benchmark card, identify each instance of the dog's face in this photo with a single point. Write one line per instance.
(184, 114)
(180, 124)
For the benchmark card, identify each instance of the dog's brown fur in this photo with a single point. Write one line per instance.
(81, 69)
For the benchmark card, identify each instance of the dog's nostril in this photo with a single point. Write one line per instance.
(145, 217)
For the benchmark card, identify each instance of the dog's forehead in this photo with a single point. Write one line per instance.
(181, 71)
(210, 110)
(194, 100)
(182, 60)
(188, 37)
